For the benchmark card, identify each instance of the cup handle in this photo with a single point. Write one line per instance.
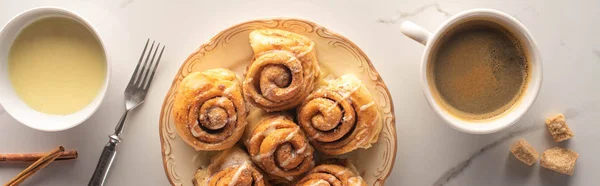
(415, 32)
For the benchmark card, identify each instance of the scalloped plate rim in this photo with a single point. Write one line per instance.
(277, 19)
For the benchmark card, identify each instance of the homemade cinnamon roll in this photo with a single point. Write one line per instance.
(209, 110)
(338, 173)
(277, 145)
(284, 70)
(340, 117)
(230, 167)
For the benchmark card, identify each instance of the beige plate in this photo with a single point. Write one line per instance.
(231, 49)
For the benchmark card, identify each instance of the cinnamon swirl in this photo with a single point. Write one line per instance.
(284, 70)
(278, 145)
(338, 174)
(230, 167)
(341, 117)
(209, 110)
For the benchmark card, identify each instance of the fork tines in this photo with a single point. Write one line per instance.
(142, 77)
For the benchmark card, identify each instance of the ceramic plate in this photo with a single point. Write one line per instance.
(231, 49)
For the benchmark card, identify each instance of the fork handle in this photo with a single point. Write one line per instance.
(105, 161)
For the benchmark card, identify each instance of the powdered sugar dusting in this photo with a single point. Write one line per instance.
(319, 183)
(237, 174)
(365, 107)
(287, 161)
(195, 129)
(291, 135)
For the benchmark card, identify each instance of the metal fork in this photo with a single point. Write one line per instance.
(134, 96)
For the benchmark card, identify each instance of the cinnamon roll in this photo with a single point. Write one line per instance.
(230, 167)
(338, 174)
(284, 70)
(209, 110)
(277, 145)
(340, 117)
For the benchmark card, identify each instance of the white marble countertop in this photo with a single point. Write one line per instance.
(429, 151)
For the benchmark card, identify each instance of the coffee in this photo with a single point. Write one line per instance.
(479, 70)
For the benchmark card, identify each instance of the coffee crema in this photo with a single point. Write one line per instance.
(479, 71)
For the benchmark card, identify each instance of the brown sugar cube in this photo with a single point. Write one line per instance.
(560, 160)
(558, 128)
(524, 152)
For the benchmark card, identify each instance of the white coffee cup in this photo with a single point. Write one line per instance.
(431, 40)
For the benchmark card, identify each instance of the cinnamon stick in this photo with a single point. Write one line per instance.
(36, 166)
(31, 157)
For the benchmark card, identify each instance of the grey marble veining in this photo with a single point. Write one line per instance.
(455, 171)
(403, 15)
(429, 151)
(597, 53)
(459, 168)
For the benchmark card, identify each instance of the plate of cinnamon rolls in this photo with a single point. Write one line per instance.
(278, 102)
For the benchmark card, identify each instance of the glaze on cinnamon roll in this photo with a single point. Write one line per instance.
(332, 174)
(277, 145)
(209, 110)
(284, 70)
(230, 167)
(341, 117)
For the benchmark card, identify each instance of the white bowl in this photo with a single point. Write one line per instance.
(8, 97)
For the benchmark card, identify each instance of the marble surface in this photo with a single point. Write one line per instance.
(429, 151)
